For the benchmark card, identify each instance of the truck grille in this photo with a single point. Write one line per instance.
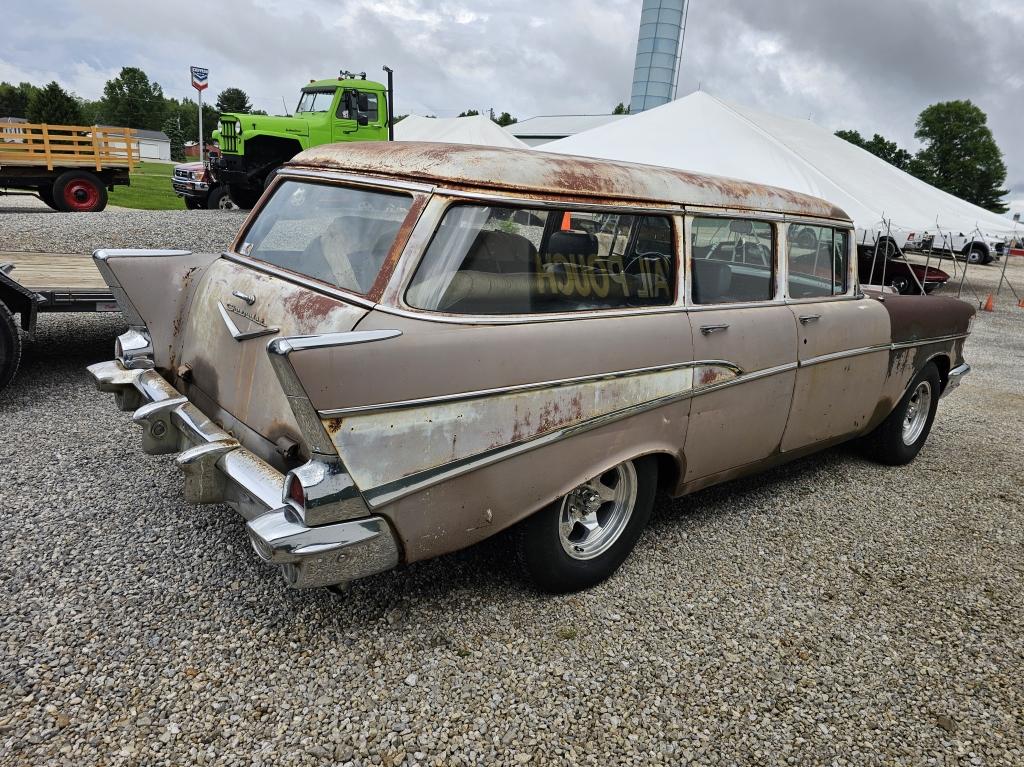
(228, 137)
(180, 173)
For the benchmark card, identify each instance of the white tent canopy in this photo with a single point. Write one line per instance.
(708, 135)
(478, 130)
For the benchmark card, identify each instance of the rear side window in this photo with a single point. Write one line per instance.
(733, 260)
(335, 234)
(818, 257)
(504, 260)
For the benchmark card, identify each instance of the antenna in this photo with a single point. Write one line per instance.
(285, 105)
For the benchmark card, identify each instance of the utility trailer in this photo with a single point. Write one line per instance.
(69, 167)
(43, 282)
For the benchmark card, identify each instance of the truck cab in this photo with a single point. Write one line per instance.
(346, 108)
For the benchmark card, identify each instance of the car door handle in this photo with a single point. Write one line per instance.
(709, 329)
(806, 319)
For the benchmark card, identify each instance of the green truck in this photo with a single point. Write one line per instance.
(346, 108)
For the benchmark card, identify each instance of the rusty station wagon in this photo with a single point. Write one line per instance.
(412, 347)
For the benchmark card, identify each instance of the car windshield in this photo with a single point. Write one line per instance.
(315, 101)
(336, 234)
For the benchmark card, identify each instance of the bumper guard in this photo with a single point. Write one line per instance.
(218, 469)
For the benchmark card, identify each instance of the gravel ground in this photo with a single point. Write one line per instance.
(28, 225)
(830, 612)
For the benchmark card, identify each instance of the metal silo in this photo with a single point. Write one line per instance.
(658, 49)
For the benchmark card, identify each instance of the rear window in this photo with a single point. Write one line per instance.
(335, 234)
(505, 260)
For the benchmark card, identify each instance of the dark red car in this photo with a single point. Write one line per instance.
(892, 271)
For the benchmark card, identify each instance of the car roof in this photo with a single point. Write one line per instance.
(529, 170)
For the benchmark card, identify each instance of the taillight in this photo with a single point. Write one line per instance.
(296, 494)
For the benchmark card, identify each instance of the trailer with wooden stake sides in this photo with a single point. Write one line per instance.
(43, 282)
(69, 167)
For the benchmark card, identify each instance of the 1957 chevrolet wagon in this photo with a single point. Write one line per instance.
(412, 347)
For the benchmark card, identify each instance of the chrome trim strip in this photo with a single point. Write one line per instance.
(515, 388)
(288, 344)
(393, 491)
(237, 334)
(525, 319)
(844, 354)
(925, 341)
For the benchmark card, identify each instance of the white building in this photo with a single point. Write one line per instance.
(153, 145)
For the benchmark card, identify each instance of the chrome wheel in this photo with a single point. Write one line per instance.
(226, 203)
(594, 515)
(916, 417)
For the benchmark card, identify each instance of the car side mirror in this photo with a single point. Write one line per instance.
(362, 119)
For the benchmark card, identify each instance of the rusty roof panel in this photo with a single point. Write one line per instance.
(527, 170)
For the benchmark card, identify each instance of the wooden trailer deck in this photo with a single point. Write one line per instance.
(68, 282)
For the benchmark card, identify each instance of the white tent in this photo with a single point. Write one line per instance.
(478, 129)
(708, 135)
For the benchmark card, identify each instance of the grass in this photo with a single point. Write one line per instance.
(150, 189)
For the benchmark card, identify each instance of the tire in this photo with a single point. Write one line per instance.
(10, 347)
(903, 285)
(194, 204)
(544, 541)
(78, 191)
(244, 197)
(219, 199)
(46, 195)
(976, 255)
(899, 438)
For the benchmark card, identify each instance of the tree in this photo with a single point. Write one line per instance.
(960, 154)
(620, 109)
(131, 101)
(505, 119)
(469, 113)
(881, 147)
(186, 114)
(54, 105)
(172, 127)
(14, 99)
(233, 100)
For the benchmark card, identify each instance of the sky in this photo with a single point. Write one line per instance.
(869, 65)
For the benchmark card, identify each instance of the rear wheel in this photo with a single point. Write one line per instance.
(10, 347)
(977, 255)
(900, 437)
(78, 191)
(582, 538)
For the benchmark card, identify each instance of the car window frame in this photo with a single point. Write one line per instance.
(853, 289)
(775, 222)
(443, 199)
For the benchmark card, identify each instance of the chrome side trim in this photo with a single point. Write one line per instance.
(926, 341)
(845, 354)
(393, 491)
(237, 334)
(445, 398)
(288, 344)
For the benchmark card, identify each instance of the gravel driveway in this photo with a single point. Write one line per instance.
(829, 612)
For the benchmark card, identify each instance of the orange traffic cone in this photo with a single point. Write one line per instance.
(989, 305)
(566, 221)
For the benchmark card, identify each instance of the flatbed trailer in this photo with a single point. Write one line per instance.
(31, 283)
(69, 167)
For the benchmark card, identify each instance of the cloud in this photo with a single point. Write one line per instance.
(872, 65)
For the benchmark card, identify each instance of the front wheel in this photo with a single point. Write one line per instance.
(900, 437)
(582, 538)
(219, 199)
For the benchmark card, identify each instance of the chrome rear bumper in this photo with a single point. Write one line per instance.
(218, 469)
(956, 375)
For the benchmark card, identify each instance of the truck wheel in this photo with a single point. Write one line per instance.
(899, 438)
(79, 192)
(583, 537)
(976, 255)
(244, 197)
(46, 195)
(10, 347)
(219, 199)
